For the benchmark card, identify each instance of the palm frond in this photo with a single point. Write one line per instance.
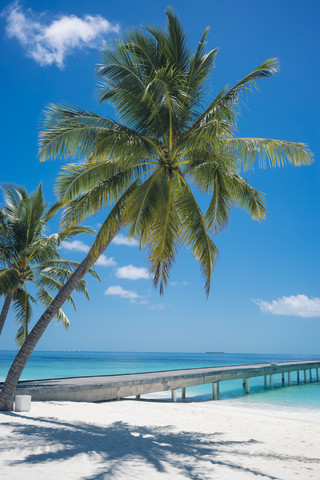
(163, 233)
(247, 197)
(195, 231)
(224, 104)
(98, 197)
(142, 170)
(23, 312)
(30, 257)
(66, 265)
(80, 178)
(72, 231)
(201, 65)
(72, 132)
(276, 153)
(217, 214)
(115, 221)
(9, 280)
(46, 299)
(142, 203)
(52, 211)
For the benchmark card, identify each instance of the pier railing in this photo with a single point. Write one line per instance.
(112, 387)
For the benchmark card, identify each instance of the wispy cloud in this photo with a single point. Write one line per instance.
(133, 296)
(159, 306)
(104, 261)
(132, 273)
(123, 240)
(299, 306)
(79, 246)
(75, 246)
(117, 290)
(50, 42)
(176, 284)
(141, 302)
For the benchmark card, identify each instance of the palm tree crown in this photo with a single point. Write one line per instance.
(29, 257)
(166, 144)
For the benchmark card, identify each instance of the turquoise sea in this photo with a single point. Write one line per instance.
(66, 364)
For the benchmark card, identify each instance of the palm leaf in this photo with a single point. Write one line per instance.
(195, 231)
(276, 153)
(163, 233)
(23, 311)
(223, 105)
(46, 299)
(73, 132)
(142, 171)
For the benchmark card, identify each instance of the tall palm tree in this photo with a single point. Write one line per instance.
(145, 165)
(30, 258)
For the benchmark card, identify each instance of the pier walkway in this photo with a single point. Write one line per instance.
(112, 387)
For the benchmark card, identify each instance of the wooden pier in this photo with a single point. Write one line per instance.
(113, 387)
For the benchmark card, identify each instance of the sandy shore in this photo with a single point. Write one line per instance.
(151, 440)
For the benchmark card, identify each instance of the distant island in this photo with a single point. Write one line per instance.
(215, 352)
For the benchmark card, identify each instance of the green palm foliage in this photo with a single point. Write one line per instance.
(170, 141)
(29, 259)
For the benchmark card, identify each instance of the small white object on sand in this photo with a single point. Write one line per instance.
(22, 403)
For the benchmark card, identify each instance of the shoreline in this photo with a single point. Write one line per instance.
(242, 403)
(158, 440)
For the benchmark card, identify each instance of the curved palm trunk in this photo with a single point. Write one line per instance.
(5, 310)
(9, 386)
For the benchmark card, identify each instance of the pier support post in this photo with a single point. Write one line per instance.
(246, 382)
(289, 378)
(271, 381)
(283, 379)
(298, 376)
(183, 394)
(174, 395)
(265, 380)
(310, 375)
(305, 376)
(137, 397)
(218, 387)
(214, 391)
(317, 374)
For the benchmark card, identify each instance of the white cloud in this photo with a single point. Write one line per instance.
(75, 246)
(117, 290)
(104, 261)
(159, 306)
(49, 43)
(123, 240)
(79, 246)
(299, 306)
(132, 273)
(184, 283)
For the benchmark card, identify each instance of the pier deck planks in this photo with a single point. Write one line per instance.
(112, 387)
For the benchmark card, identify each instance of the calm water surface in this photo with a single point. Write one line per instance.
(66, 364)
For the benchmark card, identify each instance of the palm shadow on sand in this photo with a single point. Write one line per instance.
(120, 442)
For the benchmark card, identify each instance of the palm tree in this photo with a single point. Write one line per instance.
(29, 258)
(146, 165)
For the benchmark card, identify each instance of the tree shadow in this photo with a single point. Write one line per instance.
(121, 442)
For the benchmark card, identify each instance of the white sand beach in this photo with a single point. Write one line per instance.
(148, 440)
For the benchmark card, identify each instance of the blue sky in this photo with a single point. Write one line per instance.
(49, 52)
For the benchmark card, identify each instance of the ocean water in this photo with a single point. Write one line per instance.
(66, 364)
